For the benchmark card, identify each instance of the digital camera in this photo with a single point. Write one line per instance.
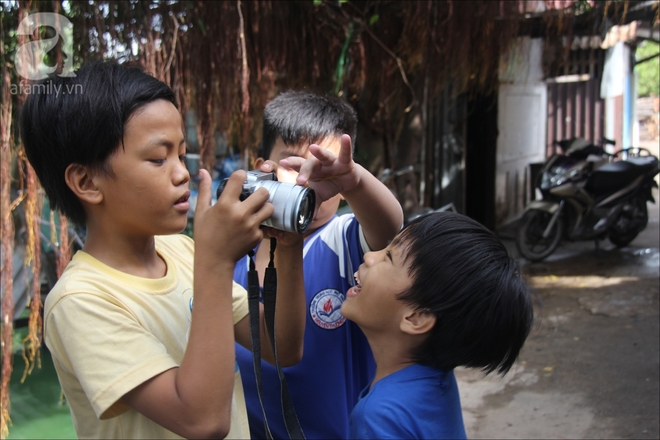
(294, 204)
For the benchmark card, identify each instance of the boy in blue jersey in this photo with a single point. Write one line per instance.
(337, 362)
(444, 293)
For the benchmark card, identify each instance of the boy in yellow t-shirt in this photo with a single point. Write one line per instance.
(134, 357)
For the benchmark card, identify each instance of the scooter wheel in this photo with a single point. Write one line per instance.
(631, 222)
(530, 241)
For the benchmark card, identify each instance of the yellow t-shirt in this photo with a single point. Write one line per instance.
(108, 332)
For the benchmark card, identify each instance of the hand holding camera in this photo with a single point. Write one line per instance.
(239, 221)
(294, 205)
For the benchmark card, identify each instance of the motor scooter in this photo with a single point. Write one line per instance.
(584, 193)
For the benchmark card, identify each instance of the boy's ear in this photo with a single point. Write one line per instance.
(258, 162)
(415, 322)
(81, 181)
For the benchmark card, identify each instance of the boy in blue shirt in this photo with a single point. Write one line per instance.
(444, 293)
(337, 362)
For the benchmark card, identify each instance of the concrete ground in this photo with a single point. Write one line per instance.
(590, 367)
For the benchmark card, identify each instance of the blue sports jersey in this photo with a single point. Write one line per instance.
(337, 362)
(415, 402)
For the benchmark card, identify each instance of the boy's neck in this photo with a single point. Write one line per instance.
(133, 256)
(391, 353)
(261, 258)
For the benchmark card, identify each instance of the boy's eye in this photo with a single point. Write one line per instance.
(182, 158)
(288, 154)
(157, 161)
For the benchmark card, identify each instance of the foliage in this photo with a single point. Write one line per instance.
(649, 71)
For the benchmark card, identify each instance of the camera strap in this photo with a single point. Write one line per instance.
(269, 299)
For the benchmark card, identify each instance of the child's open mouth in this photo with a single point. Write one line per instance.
(353, 291)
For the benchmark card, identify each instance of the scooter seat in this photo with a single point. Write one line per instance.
(647, 163)
(616, 175)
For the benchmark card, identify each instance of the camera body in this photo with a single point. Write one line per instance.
(294, 204)
(254, 180)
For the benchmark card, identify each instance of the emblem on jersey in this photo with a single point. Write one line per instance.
(325, 309)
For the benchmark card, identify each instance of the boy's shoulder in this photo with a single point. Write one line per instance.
(175, 243)
(338, 233)
(415, 377)
(84, 273)
(338, 226)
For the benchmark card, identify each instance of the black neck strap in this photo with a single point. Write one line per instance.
(269, 299)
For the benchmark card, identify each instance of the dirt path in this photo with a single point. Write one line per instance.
(590, 368)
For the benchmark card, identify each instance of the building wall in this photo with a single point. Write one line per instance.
(522, 120)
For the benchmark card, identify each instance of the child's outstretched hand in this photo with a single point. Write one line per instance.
(326, 173)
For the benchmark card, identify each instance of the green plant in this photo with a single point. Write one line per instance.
(649, 70)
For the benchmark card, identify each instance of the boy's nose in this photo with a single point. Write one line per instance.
(181, 174)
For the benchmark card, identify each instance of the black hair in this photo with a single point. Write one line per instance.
(305, 117)
(81, 119)
(463, 275)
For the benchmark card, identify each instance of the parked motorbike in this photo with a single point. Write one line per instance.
(584, 193)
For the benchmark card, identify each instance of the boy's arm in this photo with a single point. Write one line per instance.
(194, 400)
(290, 310)
(290, 307)
(373, 204)
(376, 208)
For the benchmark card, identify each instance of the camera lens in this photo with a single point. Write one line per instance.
(294, 206)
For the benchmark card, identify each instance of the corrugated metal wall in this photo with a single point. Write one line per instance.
(575, 108)
(445, 152)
